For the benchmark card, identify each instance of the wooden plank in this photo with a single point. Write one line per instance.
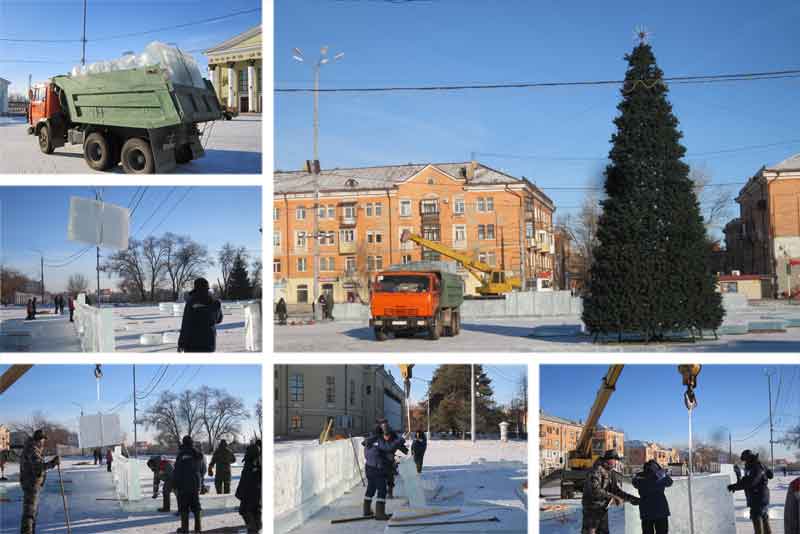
(11, 375)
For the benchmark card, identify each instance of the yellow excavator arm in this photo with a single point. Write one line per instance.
(12, 374)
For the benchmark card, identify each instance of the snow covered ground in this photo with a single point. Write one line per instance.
(567, 519)
(482, 481)
(533, 334)
(52, 333)
(93, 508)
(232, 147)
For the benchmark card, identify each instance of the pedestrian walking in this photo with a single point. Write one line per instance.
(109, 459)
(323, 306)
(29, 310)
(418, 448)
(601, 490)
(33, 308)
(5, 456)
(791, 509)
(222, 459)
(249, 490)
(378, 449)
(329, 306)
(653, 505)
(162, 473)
(32, 475)
(201, 315)
(281, 312)
(186, 480)
(71, 305)
(755, 484)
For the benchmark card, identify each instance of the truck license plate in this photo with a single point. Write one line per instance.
(399, 322)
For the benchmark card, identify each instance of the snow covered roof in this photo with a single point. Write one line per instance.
(555, 419)
(387, 177)
(789, 164)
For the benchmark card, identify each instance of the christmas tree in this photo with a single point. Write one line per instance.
(651, 273)
(239, 286)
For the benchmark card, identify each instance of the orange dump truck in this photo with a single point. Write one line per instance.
(406, 301)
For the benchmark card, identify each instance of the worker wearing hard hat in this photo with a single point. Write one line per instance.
(600, 490)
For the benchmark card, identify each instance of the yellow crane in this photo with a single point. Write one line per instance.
(492, 281)
(11, 375)
(580, 460)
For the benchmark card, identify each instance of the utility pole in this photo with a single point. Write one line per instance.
(135, 436)
(771, 428)
(472, 403)
(730, 447)
(99, 198)
(83, 39)
(41, 259)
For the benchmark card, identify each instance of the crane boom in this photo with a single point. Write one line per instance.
(12, 374)
(584, 447)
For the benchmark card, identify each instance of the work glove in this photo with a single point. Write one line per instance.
(731, 487)
(155, 495)
(635, 501)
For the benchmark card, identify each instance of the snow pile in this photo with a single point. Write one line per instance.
(181, 67)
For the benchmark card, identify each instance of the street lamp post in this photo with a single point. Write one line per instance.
(317, 66)
(81, 407)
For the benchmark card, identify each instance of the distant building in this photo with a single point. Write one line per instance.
(765, 238)
(18, 439)
(641, 452)
(353, 396)
(235, 68)
(5, 438)
(4, 95)
(559, 436)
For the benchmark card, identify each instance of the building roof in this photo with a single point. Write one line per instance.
(388, 177)
(231, 43)
(555, 419)
(789, 164)
(742, 277)
(640, 443)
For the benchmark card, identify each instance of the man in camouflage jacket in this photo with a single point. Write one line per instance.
(32, 475)
(600, 490)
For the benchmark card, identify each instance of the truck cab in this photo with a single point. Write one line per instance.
(44, 106)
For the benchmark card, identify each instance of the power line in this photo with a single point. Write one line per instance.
(172, 210)
(160, 205)
(139, 201)
(710, 78)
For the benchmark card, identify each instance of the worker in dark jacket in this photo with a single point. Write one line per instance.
(418, 448)
(281, 311)
(201, 315)
(756, 490)
(379, 454)
(5, 456)
(162, 472)
(222, 458)
(109, 459)
(384, 428)
(249, 490)
(71, 306)
(187, 480)
(791, 509)
(600, 490)
(653, 505)
(32, 475)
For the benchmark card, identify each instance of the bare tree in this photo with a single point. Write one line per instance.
(128, 265)
(11, 281)
(184, 261)
(220, 412)
(77, 283)
(581, 229)
(259, 413)
(154, 255)
(715, 202)
(256, 269)
(57, 434)
(173, 416)
(226, 257)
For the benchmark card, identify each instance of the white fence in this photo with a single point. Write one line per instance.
(95, 326)
(125, 473)
(309, 478)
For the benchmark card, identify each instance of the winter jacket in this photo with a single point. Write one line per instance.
(162, 471)
(600, 487)
(198, 328)
(754, 484)
(379, 453)
(33, 468)
(187, 477)
(419, 446)
(222, 458)
(791, 510)
(653, 504)
(249, 489)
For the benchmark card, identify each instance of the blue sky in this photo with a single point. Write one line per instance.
(36, 218)
(450, 41)
(505, 380)
(63, 19)
(53, 388)
(648, 402)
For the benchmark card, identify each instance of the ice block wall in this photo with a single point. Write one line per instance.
(95, 327)
(310, 477)
(714, 511)
(253, 327)
(125, 473)
(410, 485)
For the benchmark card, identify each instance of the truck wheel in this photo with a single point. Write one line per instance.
(45, 142)
(436, 328)
(137, 157)
(98, 152)
(380, 334)
(183, 154)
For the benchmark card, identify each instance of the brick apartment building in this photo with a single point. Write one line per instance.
(765, 238)
(497, 218)
(558, 436)
(5, 438)
(641, 452)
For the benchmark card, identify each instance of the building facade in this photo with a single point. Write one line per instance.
(558, 436)
(496, 218)
(235, 70)
(4, 95)
(765, 238)
(354, 396)
(641, 452)
(5, 438)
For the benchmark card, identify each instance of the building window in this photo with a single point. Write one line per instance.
(301, 265)
(243, 82)
(331, 212)
(350, 264)
(481, 231)
(378, 263)
(489, 204)
(481, 204)
(405, 208)
(487, 258)
(486, 231)
(529, 230)
(297, 423)
(296, 388)
(326, 264)
(276, 214)
(432, 232)
(374, 263)
(347, 236)
(276, 266)
(458, 206)
(276, 239)
(430, 207)
(300, 241)
(374, 237)
(369, 209)
(460, 235)
(378, 209)
(349, 211)
(300, 213)
(330, 389)
(321, 212)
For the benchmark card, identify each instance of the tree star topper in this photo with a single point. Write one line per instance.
(642, 34)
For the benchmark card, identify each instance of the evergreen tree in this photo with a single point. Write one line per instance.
(651, 273)
(239, 286)
(450, 391)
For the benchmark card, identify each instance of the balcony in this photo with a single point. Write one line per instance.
(348, 220)
(347, 247)
(430, 217)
